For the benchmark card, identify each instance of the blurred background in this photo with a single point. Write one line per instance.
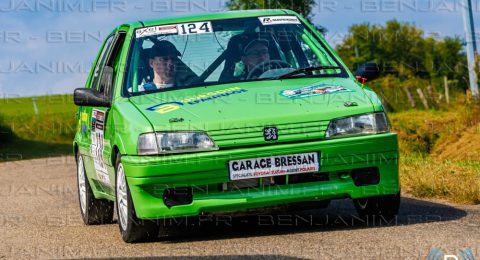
(48, 46)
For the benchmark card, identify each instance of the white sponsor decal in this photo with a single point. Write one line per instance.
(314, 90)
(98, 144)
(283, 19)
(156, 30)
(194, 28)
(273, 166)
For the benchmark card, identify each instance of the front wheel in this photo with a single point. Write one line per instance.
(94, 211)
(132, 229)
(382, 206)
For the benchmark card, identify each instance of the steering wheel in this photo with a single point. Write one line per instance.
(264, 66)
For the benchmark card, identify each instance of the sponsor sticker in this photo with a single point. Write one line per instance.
(315, 90)
(281, 19)
(98, 145)
(84, 116)
(156, 30)
(82, 122)
(273, 166)
(167, 107)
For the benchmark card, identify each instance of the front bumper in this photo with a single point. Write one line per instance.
(149, 176)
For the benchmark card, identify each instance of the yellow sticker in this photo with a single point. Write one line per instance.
(167, 108)
(84, 117)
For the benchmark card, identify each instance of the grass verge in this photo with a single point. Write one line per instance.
(427, 177)
(440, 152)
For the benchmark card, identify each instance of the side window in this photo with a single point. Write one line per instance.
(100, 62)
(109, 65)
(312, 59)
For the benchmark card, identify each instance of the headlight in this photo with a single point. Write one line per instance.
(174, 142)
(373, 123)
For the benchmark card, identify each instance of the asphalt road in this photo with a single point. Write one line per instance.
(40, 218)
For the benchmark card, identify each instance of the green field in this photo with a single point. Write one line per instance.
(25, 134)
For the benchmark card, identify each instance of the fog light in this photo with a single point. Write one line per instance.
(178, 196)
(366, 176)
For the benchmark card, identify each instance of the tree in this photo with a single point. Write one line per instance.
(402, 50)
(447, 59)
(397, 47)
(303, 7)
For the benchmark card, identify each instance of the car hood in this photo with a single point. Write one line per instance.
(299, 108)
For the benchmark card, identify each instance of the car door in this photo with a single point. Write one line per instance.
(101, 128)
(85, 113)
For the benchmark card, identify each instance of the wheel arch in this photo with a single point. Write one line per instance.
(115, 152)
(75, 150)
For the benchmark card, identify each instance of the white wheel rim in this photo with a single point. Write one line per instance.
(122, 203)
(82, 189)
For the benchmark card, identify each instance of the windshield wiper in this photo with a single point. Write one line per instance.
(305, 70)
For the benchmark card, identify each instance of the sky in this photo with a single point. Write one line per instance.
(48, 46)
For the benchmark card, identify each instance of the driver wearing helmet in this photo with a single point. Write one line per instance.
(253, 52)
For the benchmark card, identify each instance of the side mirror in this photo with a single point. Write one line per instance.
(90, 98)
(368, 71)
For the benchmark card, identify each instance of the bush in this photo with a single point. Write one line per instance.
(6, 134)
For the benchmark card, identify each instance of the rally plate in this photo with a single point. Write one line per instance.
(273, 166)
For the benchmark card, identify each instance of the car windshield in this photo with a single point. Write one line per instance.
(167, 57)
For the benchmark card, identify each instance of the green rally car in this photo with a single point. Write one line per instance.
(226, 112)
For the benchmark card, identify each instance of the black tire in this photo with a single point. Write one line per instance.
(94, 211)
(381, 206)
(131, 228)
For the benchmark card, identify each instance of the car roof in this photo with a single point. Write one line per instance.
(208, 16)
